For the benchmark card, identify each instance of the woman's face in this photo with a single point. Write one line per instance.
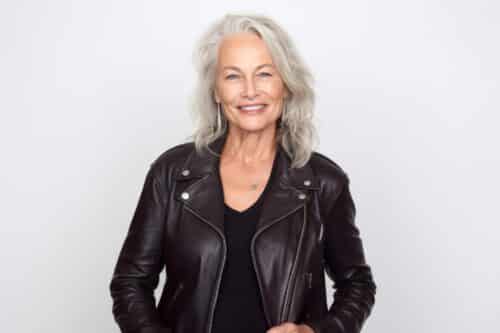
(246, 76)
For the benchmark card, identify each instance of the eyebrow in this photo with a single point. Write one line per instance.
(238, 69)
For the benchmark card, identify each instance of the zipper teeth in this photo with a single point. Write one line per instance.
(252, 247)
(287, 301)
(219, 277)
(320, 231)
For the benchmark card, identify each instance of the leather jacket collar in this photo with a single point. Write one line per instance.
(205, 198)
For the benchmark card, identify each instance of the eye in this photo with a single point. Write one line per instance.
(265, 74)
(231, 76)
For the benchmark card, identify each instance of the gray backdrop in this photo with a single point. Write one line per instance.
(408, 102)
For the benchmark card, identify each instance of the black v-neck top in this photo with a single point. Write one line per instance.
(239, 305)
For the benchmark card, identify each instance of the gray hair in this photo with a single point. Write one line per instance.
(296, 132)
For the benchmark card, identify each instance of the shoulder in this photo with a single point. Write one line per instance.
(173, 154)
(331, 176)
(325, 166)
(171, 159)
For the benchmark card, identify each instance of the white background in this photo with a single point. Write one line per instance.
(408, 102)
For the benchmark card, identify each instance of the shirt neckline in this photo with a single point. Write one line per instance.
(259, 200)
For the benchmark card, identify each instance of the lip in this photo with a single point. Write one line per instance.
(253, 104)
(253, 111)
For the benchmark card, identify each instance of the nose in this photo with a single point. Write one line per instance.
(249, 90)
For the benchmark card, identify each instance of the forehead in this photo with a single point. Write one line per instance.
(243, 50)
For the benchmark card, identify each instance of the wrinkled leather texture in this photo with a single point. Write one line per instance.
(306, 228)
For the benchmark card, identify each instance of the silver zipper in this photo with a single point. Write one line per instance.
(320, 231)
(219, 278)
(252, 248)
(291, 282)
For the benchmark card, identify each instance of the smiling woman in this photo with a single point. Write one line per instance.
(247, 218)
(249, 59)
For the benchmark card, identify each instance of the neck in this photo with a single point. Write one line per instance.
(250, 147)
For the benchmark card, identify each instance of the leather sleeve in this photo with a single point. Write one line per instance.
(345, 264)
(136, 274)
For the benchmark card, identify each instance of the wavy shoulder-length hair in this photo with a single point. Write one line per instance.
(296, 132)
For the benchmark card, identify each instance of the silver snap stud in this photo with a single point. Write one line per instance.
(302, 196)
(185, 172)
(307, 182)
(185, 195)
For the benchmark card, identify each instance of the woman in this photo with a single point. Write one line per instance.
(246, 218)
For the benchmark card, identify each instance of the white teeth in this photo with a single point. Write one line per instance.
(252, 107)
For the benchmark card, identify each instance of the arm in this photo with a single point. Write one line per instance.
(136, 274)
(345, 265)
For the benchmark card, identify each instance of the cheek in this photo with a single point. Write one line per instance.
(228, 92)
(223, 89)
(277, 95)
(275, 89)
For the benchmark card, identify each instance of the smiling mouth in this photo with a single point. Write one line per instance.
(253, 107)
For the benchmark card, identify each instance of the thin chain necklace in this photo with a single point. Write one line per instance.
(254, 186)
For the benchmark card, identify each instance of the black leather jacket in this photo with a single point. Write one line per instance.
(306, 228)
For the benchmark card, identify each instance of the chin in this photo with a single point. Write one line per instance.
(254, 126)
